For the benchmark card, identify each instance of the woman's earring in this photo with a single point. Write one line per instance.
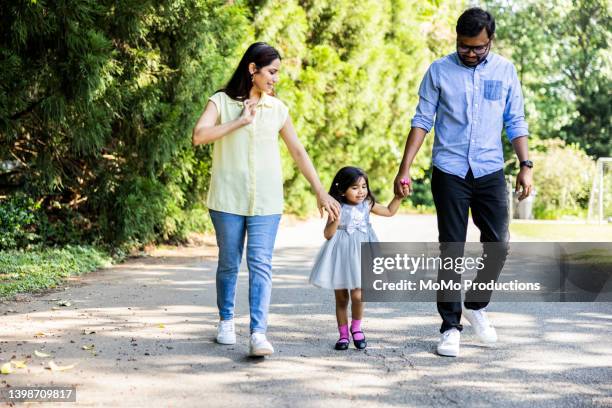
(252, 79)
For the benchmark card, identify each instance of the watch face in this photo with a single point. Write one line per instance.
(527, 163)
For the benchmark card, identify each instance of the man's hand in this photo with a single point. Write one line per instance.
(524, 180)
(402, 186)
(329, 204)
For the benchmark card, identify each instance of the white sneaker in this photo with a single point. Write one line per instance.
(259, 345)
(449, 343)
(226, 333)
(480, 322)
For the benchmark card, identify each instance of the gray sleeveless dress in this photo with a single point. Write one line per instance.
(338, 264)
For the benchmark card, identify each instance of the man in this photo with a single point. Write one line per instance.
(472, 93)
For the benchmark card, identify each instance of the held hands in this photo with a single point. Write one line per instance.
(248, 113)
(524, 180)
(402, 186)
(329, 204)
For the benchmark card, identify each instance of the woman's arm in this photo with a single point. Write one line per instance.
(331, 227)
(207, 131)
(301, 158)
(389, 210)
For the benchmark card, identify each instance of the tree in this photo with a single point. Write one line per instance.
(561, 50)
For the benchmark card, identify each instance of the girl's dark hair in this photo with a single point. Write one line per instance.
(473, 20)
(345, 178)
(240, 84)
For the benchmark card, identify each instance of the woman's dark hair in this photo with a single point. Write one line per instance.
(473, 20)
(240, 84)
(345, 178)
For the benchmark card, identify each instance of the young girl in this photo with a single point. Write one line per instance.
(338, 264)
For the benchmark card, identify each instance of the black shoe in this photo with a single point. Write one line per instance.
(342, 345)
(359, 344)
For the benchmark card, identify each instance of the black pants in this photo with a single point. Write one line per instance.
(487, 197)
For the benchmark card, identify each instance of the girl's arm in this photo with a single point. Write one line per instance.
(301, 158)
(207, 131)
(331, 227)
(388, 211)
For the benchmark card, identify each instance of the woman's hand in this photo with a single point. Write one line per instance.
(329, 204)
(248, 113)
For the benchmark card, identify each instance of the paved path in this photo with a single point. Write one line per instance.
(152, 323)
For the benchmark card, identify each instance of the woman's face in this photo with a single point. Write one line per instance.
(265, 78)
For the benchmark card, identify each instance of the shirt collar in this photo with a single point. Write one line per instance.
(265, 101)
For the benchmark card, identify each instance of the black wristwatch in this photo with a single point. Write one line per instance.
(526, 163)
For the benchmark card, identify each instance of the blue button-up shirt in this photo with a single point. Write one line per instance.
(470, 106)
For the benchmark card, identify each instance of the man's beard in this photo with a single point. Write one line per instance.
(474, 63)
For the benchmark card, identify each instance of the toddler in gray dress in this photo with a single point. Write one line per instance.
(338, 264)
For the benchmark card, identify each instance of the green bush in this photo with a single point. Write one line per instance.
(562, 178)
(17, 218)
(28, 271)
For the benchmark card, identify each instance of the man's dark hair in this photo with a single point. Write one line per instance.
(473, 20)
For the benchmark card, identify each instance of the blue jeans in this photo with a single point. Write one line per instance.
(231, 230)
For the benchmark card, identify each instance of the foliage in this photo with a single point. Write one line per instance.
(17, 216)
(561, 49)
(562, 180)
(42, 269)
(97, 104)
(98, 98)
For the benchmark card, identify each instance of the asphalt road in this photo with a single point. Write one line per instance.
(142, 334)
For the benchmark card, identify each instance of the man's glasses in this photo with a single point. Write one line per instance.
(478, 50)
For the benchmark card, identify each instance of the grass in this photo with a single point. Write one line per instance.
(556, 231)
(39, 269)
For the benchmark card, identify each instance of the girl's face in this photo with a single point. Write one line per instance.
(357, 192)
(265, 78)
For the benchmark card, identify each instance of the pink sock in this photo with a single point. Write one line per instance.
(344, 332)
(356, 327)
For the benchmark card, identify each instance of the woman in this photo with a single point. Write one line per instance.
(246, 188)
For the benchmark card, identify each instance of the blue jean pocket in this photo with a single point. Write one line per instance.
(492, 90)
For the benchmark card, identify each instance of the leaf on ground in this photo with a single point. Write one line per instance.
(55, 367)
(41, 354)
(86, 347)
(64, 303)
(6, 368)
(42, 334)
(19, 364)
(161, 325)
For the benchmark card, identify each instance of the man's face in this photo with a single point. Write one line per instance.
(473, 50)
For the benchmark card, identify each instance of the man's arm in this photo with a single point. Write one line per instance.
(413, 144)
(423, 121)
(517, 131)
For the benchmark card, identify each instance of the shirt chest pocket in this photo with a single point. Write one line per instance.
(493, 90)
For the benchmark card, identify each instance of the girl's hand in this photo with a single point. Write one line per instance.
(405, 191)
(248, 113)
(402, 185)
(327, 202)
